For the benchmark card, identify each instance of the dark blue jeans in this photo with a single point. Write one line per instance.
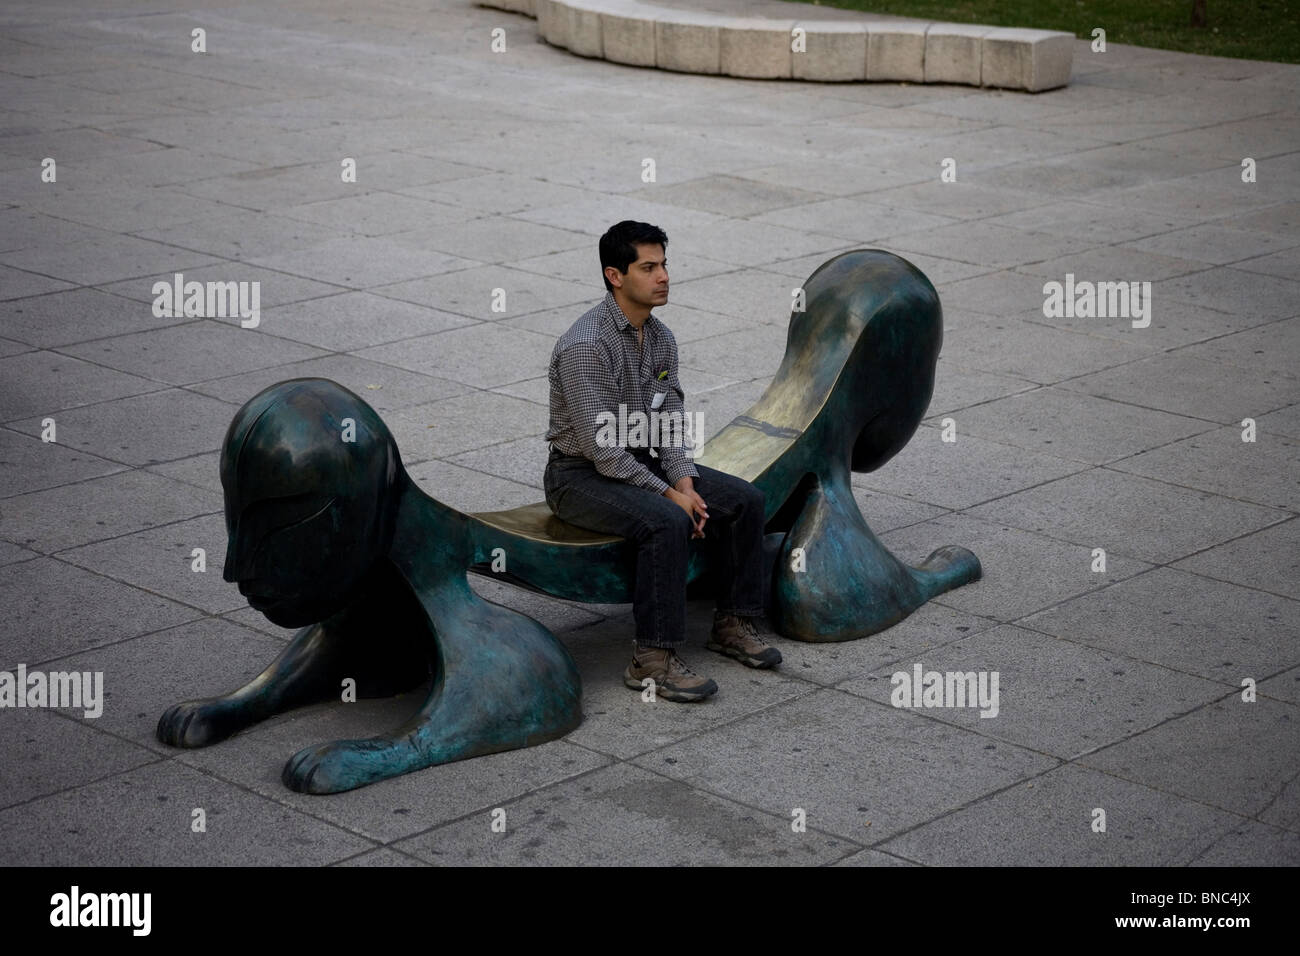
(577, 493)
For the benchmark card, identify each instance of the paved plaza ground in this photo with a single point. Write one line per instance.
(1120, 690)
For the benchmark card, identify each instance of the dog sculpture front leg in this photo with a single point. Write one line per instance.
(502, 680)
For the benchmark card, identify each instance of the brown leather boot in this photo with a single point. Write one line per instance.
(673, 679)
(738, 637)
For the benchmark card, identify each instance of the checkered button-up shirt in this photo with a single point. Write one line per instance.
(598, 364)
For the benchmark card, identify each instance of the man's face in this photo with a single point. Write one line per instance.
(646, 282)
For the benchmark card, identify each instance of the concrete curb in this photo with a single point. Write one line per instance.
(639, 33)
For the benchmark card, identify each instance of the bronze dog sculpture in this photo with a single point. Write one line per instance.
(328, 533)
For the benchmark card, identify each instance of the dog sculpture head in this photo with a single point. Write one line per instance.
(871, 331)
(309, 473)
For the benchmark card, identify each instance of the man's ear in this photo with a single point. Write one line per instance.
(614, 276)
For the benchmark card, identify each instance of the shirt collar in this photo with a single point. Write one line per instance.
(620, 320)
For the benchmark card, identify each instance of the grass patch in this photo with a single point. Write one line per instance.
(1252, 29)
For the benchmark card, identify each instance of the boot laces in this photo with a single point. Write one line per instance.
(673, 664)
(678, 666)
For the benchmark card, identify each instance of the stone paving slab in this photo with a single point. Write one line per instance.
(96, 203)
(961, 388)
(383, 857)
(626, 815)
(1180, 324)
(385, 387)
(1184, 621)
(155, 560)
(1201, 758)
(185, 424)
(1285, 263)
(51, 321)
(798, 755)
(242, 233)
(330, 322)
(1260, 843)
(363, 263)
(1049, 691)
(201, 471)
(481, 355)
(890, 511)
(520, 460)
(469, 291)
(479, 170)
(9, 347)
(957, 200)
(143, 817)
(1284, 686)
(1048, 822)
(1150, 520)
(1116, 260)
(1076, 427)
(587, 214)
(104, 611)
(873, 858)
(1279, 574)
(46, 752)
(1052, 356)
(854, 220)
(1213, 461)
(736, 356)
(25, 466)
(45, 381)
(19, 283)
(1260, 349)
(963, 473)
(23, 228)
(121, 503)
(443, 428)
(1183, 382)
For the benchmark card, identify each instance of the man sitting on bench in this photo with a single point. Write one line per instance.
(615, 362)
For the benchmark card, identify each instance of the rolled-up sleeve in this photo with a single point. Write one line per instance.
(676, 460)
(588, 388)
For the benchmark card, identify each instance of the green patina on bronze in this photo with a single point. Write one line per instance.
(328, 533)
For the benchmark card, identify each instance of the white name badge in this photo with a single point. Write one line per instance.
(658, 399)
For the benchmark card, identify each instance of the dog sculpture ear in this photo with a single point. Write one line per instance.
(309, 472)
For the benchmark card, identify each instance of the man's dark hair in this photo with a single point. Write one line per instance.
(618, 245)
